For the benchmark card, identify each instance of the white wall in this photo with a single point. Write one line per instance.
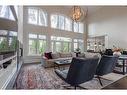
(48, 31)
(110, 21)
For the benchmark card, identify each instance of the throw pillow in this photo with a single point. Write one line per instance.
(48, 55)
(82, 55)
(64, 55)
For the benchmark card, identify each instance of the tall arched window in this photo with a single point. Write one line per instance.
(65, 23)
(61, 22)
(5, 12)
(37, 17)
(78, 27)
(68, 24)
(57, 21)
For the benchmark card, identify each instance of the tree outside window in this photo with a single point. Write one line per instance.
(8, 42)
(61, 44)
(37, 44)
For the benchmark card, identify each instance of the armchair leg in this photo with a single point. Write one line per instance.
(100, 81)
(67, 86)
(75, 87)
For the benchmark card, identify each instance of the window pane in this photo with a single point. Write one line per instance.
(79, 43)
(79, 40)
(53, 38)
(16, 10)
(3, 44)
(75, 40)
(12, 33)
(65, 47)
(52, 47)
(32, 46)
(42, 37)
(12, 43)
(3, 32)
(10, 15)
(68, 24)
(81, 46)
(75, 46)
(54, 21)
(42, 46)
(58, 46)
(32, 36)
(75, 27)
(42, 18)
(69, 47)
(32, 16)
(61, 22)
(81, 28)
(5, 12)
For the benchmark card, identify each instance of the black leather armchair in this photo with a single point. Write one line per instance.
(108, 52)
(80, 71)
(106, 66)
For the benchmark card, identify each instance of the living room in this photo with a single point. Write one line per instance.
(49, 39)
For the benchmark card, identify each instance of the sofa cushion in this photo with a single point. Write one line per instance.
(48, 55)
(64, 55)
(81, 55)
(55, 55)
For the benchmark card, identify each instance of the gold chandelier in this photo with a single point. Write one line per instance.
(77, 13)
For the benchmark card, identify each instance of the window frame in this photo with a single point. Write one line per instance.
(78, 26)
(58, 18)
(9, 12)
(37, 44)
(62, 42)
(78, 42)
(38, 16)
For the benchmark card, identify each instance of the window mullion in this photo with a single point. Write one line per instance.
(68, 46)
(64, 22)
(37, 44)
(54, 46)
(78, 27)
(58, 22)
(8, 38)
(38, 17)
(62, 46)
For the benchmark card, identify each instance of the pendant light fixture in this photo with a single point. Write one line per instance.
(77, 13)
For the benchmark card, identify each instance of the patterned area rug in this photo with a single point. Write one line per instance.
(34, 76)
